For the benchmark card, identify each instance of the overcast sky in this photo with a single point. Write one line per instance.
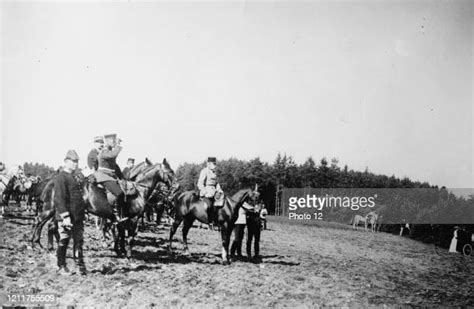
(380, 84)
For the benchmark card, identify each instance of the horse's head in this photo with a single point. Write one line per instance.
(140, 169)
(167, 176)
(255, 194)
(250, 195)
(149, 174)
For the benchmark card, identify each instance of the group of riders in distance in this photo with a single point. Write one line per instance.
(121, 198)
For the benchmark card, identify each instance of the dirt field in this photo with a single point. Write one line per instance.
(302, 265)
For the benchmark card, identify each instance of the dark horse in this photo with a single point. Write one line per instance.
(145, 175)
(16, 188)
(188, 207)
(35, 192)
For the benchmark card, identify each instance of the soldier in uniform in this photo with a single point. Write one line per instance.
(128, 168)
(208, 185)
(93, 157)
(107, 172)
(253, 232)
(4, 175)
(3, 169)
(70, 213)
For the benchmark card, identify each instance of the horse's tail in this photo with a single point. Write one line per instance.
(44, 217)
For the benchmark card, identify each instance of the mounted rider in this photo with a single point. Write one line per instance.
(209, 188)
(126, 171)
(4, 175)
(93, 157)
(108, 173)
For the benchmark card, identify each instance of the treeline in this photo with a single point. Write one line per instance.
(235, 174)
(38, 169)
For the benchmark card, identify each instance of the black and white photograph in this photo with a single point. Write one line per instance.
(247, 153)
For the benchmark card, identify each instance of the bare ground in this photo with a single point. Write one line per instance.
(302, 265)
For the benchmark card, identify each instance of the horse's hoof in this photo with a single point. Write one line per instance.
(226, 262)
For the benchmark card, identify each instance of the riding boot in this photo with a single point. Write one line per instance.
(61, 256)
(210, 211)
(79, 258)
(118, 209)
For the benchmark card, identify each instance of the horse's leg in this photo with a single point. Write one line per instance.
(160, 209)
(118, 239)
(132, 231)
(39, 207)
(52, 231)
(225, 235)
(105, 227)
(123, 234)
(188, 222)
(173, 230)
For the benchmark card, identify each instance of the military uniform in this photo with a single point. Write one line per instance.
(93, 159)
(126, 171)
(69, 204)
(253, 232)
(4, 176)
(108, 174)
(207, 183)
(208, 187)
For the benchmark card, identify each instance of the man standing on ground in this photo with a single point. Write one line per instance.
(70, 213)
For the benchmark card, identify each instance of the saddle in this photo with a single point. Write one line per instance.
(129, 188)
(217, 201)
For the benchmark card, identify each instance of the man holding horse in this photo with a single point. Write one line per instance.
(108, 173)
(209, 187)
(70, 213)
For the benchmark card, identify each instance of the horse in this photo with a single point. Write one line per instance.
(145, 175)
(17, 188)
(357, 220)
(189, 207)
(35, 191)
(372, 219)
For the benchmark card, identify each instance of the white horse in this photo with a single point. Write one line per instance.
(357, 220)
(372, 219)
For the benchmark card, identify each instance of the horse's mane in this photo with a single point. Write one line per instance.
(238, 196)
(136, 170)
(149, 171)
